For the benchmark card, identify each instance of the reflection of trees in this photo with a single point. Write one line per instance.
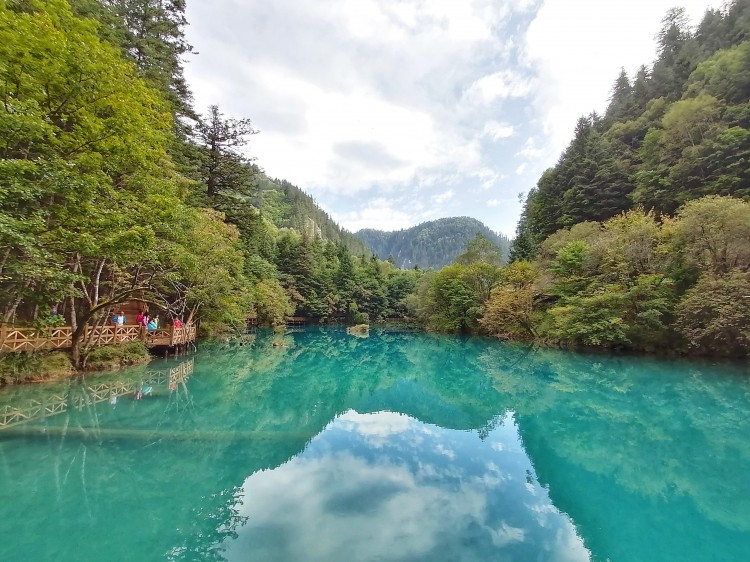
(658, 429)
(223, 509)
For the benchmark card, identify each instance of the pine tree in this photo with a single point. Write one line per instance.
(223, 165)
(621, 99)
(151, 34)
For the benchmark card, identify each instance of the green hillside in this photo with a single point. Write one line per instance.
(432, 244)
(676, 131)
(287, 206)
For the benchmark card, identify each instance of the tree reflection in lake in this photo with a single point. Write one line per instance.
(397, 447)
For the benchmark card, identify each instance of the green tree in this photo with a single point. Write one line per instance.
(621, 98)
(224, 167)
(714, 316)
(87, 187)
(510, 311)
(151, 35)
(713, 234)
(481, 249)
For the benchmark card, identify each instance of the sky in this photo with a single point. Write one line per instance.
(394, 112)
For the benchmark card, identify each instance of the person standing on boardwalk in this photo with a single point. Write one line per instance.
(119, 319)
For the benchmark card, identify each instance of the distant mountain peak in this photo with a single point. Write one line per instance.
(432, 244)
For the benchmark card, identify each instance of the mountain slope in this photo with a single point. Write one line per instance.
(431, 244)
(287, 206)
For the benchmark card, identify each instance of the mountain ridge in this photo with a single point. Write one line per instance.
(431, 244)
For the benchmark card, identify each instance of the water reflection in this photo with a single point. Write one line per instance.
(384, 486)
(393, 447)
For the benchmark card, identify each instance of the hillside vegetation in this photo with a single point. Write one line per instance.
(113, 187)
(676, 131)
(639, 237)
(432, 244)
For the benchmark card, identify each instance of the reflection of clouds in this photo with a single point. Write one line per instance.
(380, 423)
(378, 487)
(506, 535)
(568, 547)
(443, 450)
(343, 508)
(493, 477)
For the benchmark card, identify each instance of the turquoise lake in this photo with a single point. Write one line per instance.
(395, 447)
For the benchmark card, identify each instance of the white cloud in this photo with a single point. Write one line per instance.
(380, 213)
(530, 150)
(488, 178)
(497, 131)
(418, 97)
(441, 198)
(499, 85)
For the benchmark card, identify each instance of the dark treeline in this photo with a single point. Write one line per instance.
(114, 188)
(639, 237)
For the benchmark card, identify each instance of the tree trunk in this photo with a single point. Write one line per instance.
(75, 346)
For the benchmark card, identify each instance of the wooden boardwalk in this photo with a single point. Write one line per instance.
(94, 393)
(47, 339)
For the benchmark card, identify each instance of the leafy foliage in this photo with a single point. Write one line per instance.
(113, 189)
(628, 283)
(677, 132)
(714, 316)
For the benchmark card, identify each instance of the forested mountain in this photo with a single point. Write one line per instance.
(290, 207)
(432, 244)
(675, 131)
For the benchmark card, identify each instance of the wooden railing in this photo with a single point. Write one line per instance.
(36, 339)
(57, 404)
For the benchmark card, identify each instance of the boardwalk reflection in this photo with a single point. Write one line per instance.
(82, 394)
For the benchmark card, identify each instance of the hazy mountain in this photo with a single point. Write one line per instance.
(431, 244)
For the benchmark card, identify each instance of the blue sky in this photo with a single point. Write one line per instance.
(394, 112)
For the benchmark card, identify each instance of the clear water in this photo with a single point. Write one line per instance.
(400, 446)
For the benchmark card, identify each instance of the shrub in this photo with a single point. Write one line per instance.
(714, 316)
(114, 356)
(361, 318)
(22, 366)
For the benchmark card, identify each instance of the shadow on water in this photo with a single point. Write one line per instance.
(400, 446)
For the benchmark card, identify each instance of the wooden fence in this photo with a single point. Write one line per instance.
(36, 339)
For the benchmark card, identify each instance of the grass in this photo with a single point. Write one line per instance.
(38, 366)
(109, 357)
(27, 367)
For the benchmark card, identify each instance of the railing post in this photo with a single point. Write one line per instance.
(3, 336)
